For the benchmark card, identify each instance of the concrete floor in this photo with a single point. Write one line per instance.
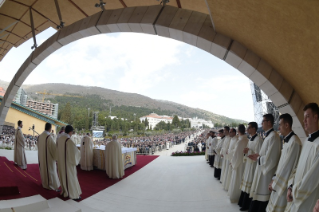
(166, 184)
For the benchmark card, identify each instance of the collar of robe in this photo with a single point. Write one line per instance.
(287, 138)
(313, 136)
(253, 138)
(269, 131)
(223, 137)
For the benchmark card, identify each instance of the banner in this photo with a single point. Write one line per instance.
(97, 134)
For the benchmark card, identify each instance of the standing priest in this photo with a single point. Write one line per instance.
(68, 158)
(303, 191)
(287, 163)
(267, 161)
(253, 147)
(113, 159)
(86, 153)
(218, 159)
(19, 152)
(229, 156)
(237, 165)
(223, 176)
(47, 159)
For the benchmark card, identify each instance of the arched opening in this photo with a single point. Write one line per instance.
(191, 27)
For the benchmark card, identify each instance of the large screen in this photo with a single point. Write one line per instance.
(97, 134)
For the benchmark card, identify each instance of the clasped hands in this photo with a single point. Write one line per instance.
(253, 156)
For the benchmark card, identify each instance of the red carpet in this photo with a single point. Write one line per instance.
(29, 181)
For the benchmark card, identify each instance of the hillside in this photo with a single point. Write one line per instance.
(98, 98)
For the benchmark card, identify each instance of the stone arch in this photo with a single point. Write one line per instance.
(188, 26)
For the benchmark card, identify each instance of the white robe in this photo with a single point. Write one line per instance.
(225, 163)
(114, 165)
(237, 167)
(167, 145)
(266, 167)
(19, 152)
(68, 158)
(47, 157)
(229, 156)
(199, 145)
(287, 163)
(209, 147)
(218, 160)
(86, 154)
(250, 165)
(305, 180)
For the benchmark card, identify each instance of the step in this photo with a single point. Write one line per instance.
(27, 204)
(58, 205)
(81, 206)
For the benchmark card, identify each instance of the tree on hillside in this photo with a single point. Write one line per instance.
(66, 114)
(176, 122)
(146, 123)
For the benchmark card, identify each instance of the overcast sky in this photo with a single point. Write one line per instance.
(153, 66)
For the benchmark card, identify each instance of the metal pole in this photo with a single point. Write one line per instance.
(33, 32)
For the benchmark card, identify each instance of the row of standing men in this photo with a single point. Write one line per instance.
(269, 174)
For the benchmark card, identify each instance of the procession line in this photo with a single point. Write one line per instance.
(20, 172)
(7, 166)
(30, 175)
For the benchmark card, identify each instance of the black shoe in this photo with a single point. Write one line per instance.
(78, 199)
(244, 209)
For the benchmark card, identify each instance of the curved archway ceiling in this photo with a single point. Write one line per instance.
(285, 35)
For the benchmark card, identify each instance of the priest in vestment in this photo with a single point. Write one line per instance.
(114, 165)
(223, 152)
(237, 165)
(47, 157)
(253, 147)
(86, 153)
(267, 161)
(287, 163)
(68, 158)
(19, 152)
(218, 159)
(303, 191)
(211, 144)
(229, 156)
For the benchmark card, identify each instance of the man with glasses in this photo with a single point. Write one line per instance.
(253, 147)
(267, 161)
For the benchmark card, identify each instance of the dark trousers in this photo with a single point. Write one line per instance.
(217, 173)
(244, 200)
(258, 206)
(211, 159)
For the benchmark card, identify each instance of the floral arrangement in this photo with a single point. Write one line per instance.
(181, 153)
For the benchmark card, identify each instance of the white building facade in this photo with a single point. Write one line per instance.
(153, 119)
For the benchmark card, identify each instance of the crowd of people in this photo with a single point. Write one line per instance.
(7, 138)
(270, 174)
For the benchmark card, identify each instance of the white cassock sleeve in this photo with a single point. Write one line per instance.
(237, 159)
(282, 176)
(271, 158)
(304, 188)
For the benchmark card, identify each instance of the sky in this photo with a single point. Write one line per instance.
(150, 65)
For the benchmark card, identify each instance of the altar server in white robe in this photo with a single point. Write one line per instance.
(229, 154)
(86, 153)
(47, 157)
(199, 145)
(303, 191)
(237, 165)
(287, 163)
(19, 144)
(267, 161)
(218, 159)
(68, 158)
(113, 159)
(253, 147)
(223, 151)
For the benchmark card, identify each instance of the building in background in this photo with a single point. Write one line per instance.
(47, 108)
(21, 97)
(154, 119)
(199, 123)
(263, 105)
